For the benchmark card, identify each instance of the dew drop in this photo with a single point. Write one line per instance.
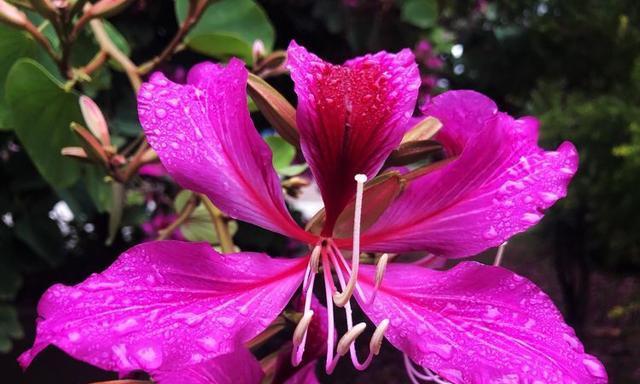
(74, 336)
(594, 367)
(491, 233)
(146, 95)
(161, 113)
(548, 197)
(531, 217)
(208, 343)
(227, 321)
(572, 341)
(442, 350)
(126, 325)
(149, 357)
(530, 323)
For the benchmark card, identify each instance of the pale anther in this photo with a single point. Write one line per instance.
(301, 328)
(349, 338)
(376, 340)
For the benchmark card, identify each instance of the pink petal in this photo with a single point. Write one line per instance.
(316, 347)
(237, 367)
(205, 138)
(351, 117)
(498, 186)
(478, 324)
(164, 305)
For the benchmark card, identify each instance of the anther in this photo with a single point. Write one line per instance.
(340, 299)
(349, 338)
(378, 335)
(301, 328)
(381, 267)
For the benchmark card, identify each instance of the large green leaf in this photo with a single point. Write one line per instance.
(421, 13)
(40, 111)
(15, 44)
(228, 28)
(198, 227)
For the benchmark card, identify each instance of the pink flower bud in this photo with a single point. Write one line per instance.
(11, 15)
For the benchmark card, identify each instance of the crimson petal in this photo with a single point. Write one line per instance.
(351, 116)
(165, 305)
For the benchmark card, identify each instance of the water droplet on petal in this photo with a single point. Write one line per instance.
(208, 343)
(594, 367)
(149, 357)
(74, 336)
(531, 217)
(161, 113)
(572, 341)
(491, 233)
(442, 350)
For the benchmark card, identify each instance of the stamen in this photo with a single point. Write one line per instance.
(343, 298)
(428, 375)
(349, 338)
(499, 254)
(302, 327)
(376, 340)
(314, 262)
(330, 363)
(380, 269)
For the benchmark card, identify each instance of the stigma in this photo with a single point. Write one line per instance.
(326, 254)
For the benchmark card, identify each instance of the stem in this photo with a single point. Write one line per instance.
(42, 40)
(188, 209)
(98, 60)
(196, 9)
(226, 243)
(136, 161)
(108, 46)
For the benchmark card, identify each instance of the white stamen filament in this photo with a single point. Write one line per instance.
(343, 298)
(314, 262)
(499, 254)
(349, 338)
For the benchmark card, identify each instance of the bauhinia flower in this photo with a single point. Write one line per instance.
(165, 306)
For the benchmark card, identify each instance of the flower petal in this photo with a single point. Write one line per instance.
(306, 375)
(205, 138)
(498, 186)
(237, 367)
(478, 324)
(165, 305)
(350, 117)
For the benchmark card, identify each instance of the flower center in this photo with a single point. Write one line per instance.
(327, 253)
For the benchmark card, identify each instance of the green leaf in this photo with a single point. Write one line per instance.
(40, 111)
(198, 227)
(421, 13)
(9, 328)
(15, 44)
(228, 28)
(119, 42)
(283, 152)
(100, 191)
(283, 155)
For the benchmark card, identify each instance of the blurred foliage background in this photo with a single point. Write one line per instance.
(575, 64)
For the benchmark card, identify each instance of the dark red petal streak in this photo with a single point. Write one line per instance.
(351, 117)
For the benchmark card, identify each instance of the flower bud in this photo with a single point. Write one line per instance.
(94, 119)
(275, 108)
(12, 15)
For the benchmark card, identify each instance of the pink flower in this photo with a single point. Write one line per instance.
(165, 306)
(158, 222)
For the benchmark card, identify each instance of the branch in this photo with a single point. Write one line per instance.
(226, 243)
(108, 46)
(196, 9)
(186, 212)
